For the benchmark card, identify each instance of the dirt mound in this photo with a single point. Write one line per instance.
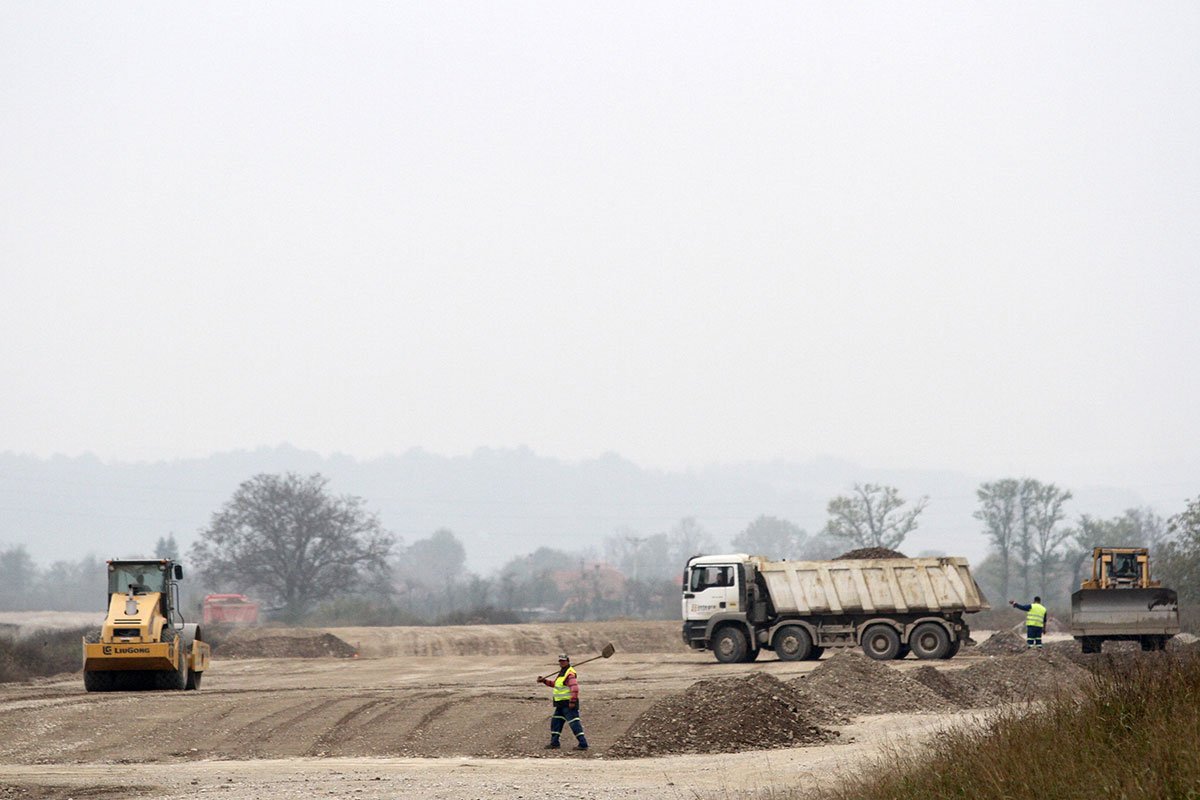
(1003, 643)
(942, 684)
(271, 643)
(725, 715)
(870, 552)
(1026, 677)
(851, 684)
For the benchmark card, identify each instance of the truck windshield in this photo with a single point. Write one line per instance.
(142, 578)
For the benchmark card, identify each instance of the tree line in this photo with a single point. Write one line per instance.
(309, 555)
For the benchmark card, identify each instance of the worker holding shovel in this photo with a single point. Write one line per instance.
(566, 703)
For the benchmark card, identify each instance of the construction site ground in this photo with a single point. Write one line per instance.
(456, 713)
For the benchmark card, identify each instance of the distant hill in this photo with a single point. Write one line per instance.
(500, 503)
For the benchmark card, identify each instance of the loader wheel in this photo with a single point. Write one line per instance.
(929, 640)
(792, 643)
(881, 642)
(729, 645)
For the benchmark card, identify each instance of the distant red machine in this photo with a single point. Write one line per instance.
(230, 609)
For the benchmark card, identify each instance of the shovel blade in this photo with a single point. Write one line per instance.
(608, 651)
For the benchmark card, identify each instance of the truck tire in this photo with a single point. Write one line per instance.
(955, 646)
(929, 640)
(792, 643)
(881, 642)
(729, 645)
(751, 655)
(816, 653)
(903, 652)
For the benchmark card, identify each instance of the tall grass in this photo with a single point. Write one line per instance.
(1135, 733)
(41, 653)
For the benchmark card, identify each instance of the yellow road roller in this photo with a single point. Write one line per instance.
(144, 642)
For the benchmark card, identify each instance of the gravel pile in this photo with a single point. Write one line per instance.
(315, 645)
(850, 684)
(1003, 643)
(725, 715)
(1022, 678)
(870, 552)
(944, 685)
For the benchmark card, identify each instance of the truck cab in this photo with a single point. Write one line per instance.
(718, 589)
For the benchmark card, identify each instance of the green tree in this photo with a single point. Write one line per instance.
(1179, 564)
(998, 513)
(873, 516)
(286, 539)
(772, 537)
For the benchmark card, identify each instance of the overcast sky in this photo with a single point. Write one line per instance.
(916, 235)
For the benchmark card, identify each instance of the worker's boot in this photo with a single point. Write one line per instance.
(552, 746)
(583, 745)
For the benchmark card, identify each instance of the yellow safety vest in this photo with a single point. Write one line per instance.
(1036, 618)
(561, 690)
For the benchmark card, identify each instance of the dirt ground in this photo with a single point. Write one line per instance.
(445, 725)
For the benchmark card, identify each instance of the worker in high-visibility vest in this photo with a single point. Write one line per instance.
(1035, 621)
(566, 703)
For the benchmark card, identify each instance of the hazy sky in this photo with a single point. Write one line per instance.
(916, 235)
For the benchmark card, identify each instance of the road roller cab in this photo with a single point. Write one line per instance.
(144, 643)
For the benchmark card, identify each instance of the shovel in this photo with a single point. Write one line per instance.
(605, 653)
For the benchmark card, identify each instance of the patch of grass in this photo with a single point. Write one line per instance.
(41, 654)
(1134, 734)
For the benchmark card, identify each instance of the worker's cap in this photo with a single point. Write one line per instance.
(563, 657)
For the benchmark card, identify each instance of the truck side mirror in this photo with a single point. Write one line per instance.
(178, 572)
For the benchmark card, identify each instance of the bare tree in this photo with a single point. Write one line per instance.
(998, 512)
(1044, 512)
(286, 539)
(873, 516)
(771, 537)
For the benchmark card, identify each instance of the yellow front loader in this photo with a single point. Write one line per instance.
(144, 642)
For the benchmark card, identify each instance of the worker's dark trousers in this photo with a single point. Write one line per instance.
(1033, 636)
(564, 713)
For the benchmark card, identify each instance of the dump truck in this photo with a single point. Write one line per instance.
(144, 643)
(229, 609)
(740, 605)
(1120, 602)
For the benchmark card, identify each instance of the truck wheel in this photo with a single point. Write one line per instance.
(881, 642)
(816, 653)
(729, 645)
(751, 655)
(955, 646)
(903, 652)
(929, 640)
(792, 643)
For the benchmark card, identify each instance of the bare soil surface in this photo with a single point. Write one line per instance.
(466, 720)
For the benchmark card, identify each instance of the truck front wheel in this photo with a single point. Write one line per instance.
(881, 642)
(729, 645)
(792, 643)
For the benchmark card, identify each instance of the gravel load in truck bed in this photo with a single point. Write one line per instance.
(870, 552)
(725, 715)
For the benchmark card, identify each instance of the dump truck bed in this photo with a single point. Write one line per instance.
(870, 586)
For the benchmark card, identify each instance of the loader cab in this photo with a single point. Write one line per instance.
(145, 577)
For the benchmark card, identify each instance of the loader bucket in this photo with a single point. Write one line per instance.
(1124, 612)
